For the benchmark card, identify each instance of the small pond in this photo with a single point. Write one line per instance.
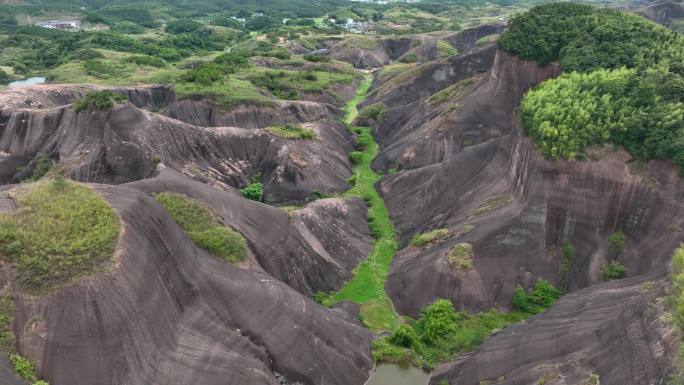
(392, 374)
(27, 82)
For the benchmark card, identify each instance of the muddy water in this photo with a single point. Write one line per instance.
(392, 374)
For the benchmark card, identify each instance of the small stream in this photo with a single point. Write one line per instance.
(27, 82)
(393, 374)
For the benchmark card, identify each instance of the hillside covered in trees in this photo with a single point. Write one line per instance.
(623, 81)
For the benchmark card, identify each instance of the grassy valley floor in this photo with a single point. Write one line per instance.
(367, 287)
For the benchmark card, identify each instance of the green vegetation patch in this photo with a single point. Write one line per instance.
(676, 302)
(453, 93)
(484, 40)
(203, 228)
(41, 167)
(540, 298)
(616, 242)
(253, 191)
(6, 318)
(583, 38)
(102, 100)
(374, 111)
(444, 49)
(641, 111)
(613, 270)
(62, 231)
(291, 131)
(492, 203)
(367, 287)
(26, 369)
(460, 256)
(424, 239)
(440, 334)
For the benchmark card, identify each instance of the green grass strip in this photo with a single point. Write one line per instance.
(367, 287)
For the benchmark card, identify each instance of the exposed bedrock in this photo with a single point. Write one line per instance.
(612, 334)
(467, 39)
(311, 249)
(168, 313)
(379, 54)
(208, 114)
(383, 51)
(662, 12)
(126, 143)
(474, 107)
(518, 210)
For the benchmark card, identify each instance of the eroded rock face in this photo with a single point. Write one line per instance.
(168, 313)
(518, 209)
(662, 12)
(616, 333)
(205, 113)
(422, 127)
(311, 249)
(127, 143)
(382, 51)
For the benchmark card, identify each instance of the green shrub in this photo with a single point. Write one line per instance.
(144, 60)
(87, 54)
(355, 157)
(461, 256)
(420, 240)
(23, 367)
(62, 231)
(375, 111)
(6, 317)
(362, 143)
(41, 167)
(99, 68)
(541, 297)
(102, 100)
(613, 270)
(207, 74)
(437, 322)
(320, 297)
(616, 242)
(404, 336)
(291, 131)
(203, 228)
(232, 59)
(567, 258)
(182, 26)
(316, 58)
(409, 58)
(253, 191)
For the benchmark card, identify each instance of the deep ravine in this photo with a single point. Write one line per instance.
(367, 287)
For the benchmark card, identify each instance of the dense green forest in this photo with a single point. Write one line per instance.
(623, 82)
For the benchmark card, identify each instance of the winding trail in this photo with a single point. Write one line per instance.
(367, 287)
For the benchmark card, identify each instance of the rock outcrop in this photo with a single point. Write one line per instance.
(450, 105)
(168, 313)
(127, 142)
(310, 249)
(518, 210)
(612, 334)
